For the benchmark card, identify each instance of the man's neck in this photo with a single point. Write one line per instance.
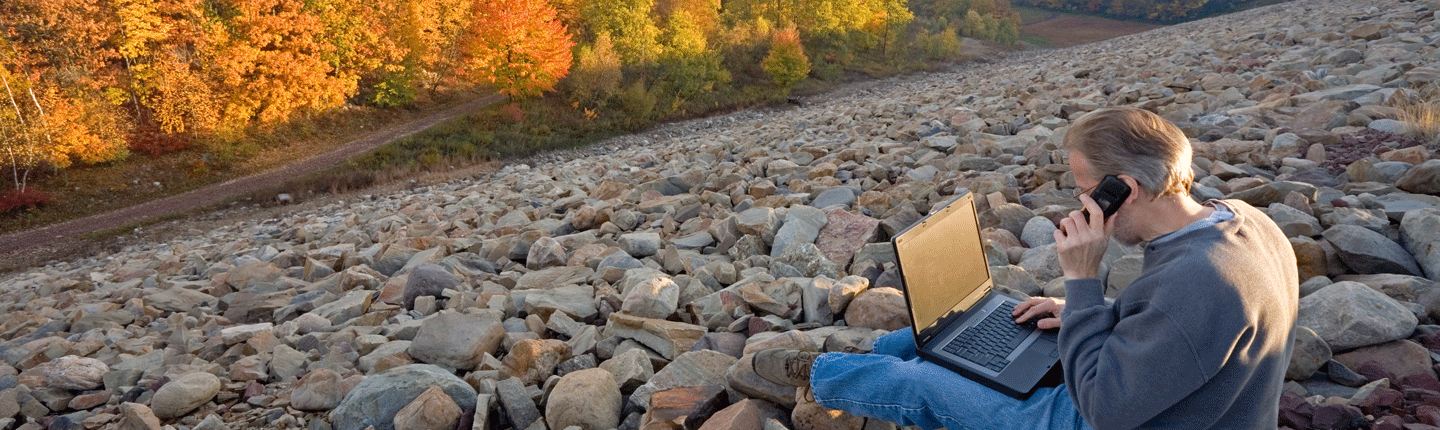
(1172, 213)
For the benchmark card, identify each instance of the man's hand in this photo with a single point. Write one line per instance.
(1081, 242)
(1046, 308)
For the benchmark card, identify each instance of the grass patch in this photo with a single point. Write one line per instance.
(1422, 112)
(1036, 40)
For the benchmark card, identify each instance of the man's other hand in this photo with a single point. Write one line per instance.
(1081, 242)
(1045, 308)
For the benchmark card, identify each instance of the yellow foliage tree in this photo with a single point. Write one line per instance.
(786, 63)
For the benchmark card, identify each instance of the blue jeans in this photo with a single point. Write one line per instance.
(894, 384)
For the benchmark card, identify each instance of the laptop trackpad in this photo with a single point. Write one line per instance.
(1045, 347)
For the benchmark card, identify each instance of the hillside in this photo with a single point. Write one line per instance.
(665, 258)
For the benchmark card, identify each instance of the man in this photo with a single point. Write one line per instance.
(1201, 339)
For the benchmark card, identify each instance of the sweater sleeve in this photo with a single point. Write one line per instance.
(1122, 374)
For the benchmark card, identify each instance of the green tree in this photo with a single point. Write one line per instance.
(630, 25)
(786, 63)
(689, 68)
(976, 25)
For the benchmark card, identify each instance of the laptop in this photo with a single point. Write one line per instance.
(960, 321)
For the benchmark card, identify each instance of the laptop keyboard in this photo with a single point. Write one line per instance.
(993, 339)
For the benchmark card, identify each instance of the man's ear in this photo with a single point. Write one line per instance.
(1135, 189)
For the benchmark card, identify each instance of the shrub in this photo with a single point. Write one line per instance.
(17, 200)
(787, 63)
(1422, 111)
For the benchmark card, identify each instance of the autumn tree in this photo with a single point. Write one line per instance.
(596, 75)
(786, 63)
(689, 67)
(630, 25)
(517, 45)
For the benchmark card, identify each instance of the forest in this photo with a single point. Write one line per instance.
(91, 82)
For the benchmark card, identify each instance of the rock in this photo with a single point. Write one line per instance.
(838, 196)
(184, 394)
(652, 294)
(533, 360)
(668, 338)
(1310, 353)
(74, 373)
(759, 222)
(1293, 222)
(319, 390)
(844, 234)
(630, 369)
(1274, 192)
(844, 290)
(1309, 258)
(802, 226)
(809, 415)
(587, 398)
(1366, 251)
(805, 260)
(376, 400)
(250, 368)
(640, 244)
(879, 308)
(691, 369)
(1420, 233)
(1404, 288)
(684, 407)
(747, 414)
(1399, 360)
(135, 416)
(1337, 416)
(1421, 179)
(515, 398)
(1038, 231)
(1349, 315)
(1042, 262)
(815, 301)
(432, 410)
(1009, 216)
(427, 280)
(438, 342)
(545, 252)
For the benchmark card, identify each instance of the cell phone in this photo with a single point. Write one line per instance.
(1110, 194)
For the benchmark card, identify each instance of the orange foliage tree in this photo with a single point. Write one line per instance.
(517, 45)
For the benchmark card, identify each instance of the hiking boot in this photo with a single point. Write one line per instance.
(788, 367)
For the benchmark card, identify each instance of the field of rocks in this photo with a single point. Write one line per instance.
(623, 286)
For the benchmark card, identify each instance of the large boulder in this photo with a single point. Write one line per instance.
(439, 342)
(878, 308)
(802, 226)
(377, 399)
(427, 280)
(1350, 315)
(1368, 252)
(586, 398)
(184, 394)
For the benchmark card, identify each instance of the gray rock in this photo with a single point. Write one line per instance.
(807, 260)
(650, 294)
(1420, 233)
(1274, 192)
(515, 398)
(1347, 92)
(802, 225)
(1015, 278)
(1292, 221)
(759, 222)
(691, 369)
(184, 394)
(1374, 220)
(427, 280)
(844, 290)
(376, 400)
(1350, 315)
(1391, 126)
(838, 196)
(630, 369)
(815, 300)
(696, 240)
(1042, 262)
(74, 373)
(1038, 231)
(438, 342)
(319, 390)
(640, 244)
(1310, 353)
(1368, 252)
(1421, 179)
(742, 378)
(1396, 205)
(545, 252)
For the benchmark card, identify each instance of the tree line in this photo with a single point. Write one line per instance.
(95, 81)
(1156, 11)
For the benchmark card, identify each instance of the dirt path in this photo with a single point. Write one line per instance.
(48, 239)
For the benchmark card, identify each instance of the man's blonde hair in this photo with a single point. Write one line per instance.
(1135, 142)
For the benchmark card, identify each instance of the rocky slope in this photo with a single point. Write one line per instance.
(624, 288)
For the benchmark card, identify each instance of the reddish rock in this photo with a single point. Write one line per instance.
(1396, 360)
(1388, 422)
(1428, 414)
(748, 414)
(1295, 411)
(684, 408)
(844, 233)
(87, 401)
(1336, 416)
(1383, 400)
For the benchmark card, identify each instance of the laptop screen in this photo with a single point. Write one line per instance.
(942, 264)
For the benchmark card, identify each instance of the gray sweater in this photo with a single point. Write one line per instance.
(1200, 340)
